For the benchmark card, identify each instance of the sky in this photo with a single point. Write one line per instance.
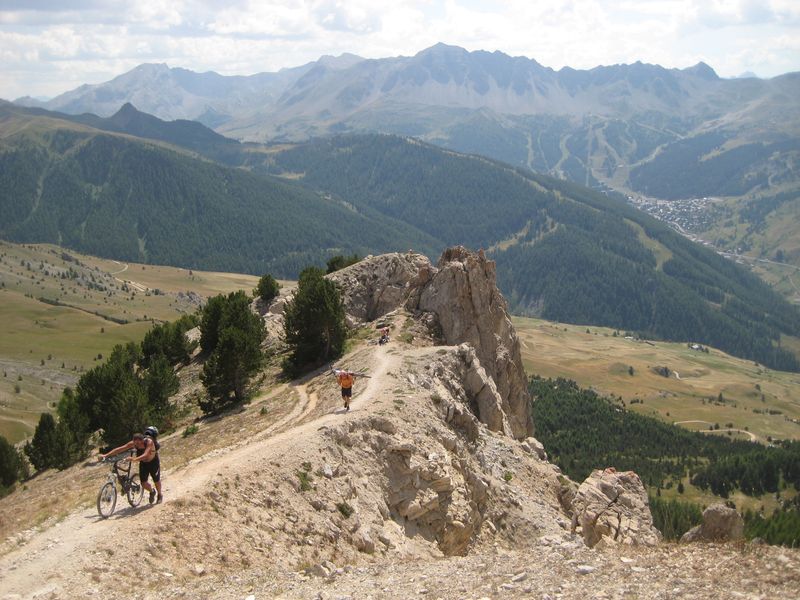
(51, 46)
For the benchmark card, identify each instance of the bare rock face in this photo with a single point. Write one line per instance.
(468, 382)
(379, 284)
(461, 292)
(613, 508)
(464, 296)
(720, 524)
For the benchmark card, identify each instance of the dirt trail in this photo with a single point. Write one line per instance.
(753, 436)
(46, 561)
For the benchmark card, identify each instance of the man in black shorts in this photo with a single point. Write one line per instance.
(149, 464)
(346, 380)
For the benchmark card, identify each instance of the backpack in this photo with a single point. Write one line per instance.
(152, 433)
(155, 441)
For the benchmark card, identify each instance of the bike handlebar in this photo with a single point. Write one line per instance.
(116, 458)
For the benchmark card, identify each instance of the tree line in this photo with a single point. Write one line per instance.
(583, 431)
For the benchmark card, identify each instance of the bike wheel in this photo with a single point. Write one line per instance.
(135, 491)
(107, 500)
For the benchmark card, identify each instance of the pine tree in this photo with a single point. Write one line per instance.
(237, 353)
(72, 430)
(10, 464)
(314, 321)
(43, 448)
(209, 323)
(160, 382)
(267, 288)
(132, 413)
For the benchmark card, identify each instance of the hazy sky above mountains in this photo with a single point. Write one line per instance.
(51, 46)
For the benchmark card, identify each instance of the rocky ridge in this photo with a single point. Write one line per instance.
(422, 489)
(462, 304)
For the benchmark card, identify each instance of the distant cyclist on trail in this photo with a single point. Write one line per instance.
(146, 448)
(346, 380)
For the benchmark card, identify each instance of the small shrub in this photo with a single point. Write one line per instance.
(436, 398)
(264, 410)
(345, 509)
(305, 480)
(190, 430)
(508, 476)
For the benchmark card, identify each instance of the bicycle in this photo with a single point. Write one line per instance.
(130, 484)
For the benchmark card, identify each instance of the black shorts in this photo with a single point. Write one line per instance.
(146, 469)
(347, 392)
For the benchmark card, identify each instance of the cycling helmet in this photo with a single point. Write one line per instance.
(151, 431)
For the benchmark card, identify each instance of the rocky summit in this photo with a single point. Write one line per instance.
(431, 486)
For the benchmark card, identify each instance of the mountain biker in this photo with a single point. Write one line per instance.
(346, 380)
(146, 448)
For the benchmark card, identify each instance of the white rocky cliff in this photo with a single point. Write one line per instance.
(461, 295)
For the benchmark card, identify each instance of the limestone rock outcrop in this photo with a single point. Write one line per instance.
(429, 471)
(613, 507)
(464, 378)
(461, 293)
(378, 285)
(464, 296)
(720, 524)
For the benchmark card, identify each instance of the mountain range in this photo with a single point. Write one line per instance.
(628, 127)
(132, 187)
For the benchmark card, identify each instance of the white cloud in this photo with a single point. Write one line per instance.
(48, 47)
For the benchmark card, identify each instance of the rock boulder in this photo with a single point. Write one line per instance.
(720, 524)
(613, 507)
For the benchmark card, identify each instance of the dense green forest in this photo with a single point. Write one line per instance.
(583, 431)
(673, 518)
(782, 527)
(705, 170)
(563, 252)
(578, 256)
(121, 198)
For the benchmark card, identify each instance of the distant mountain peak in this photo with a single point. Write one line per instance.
(343, 61)
(151, 67)
(30, 101)
(127, 108)
(441, 48)
(703, 71)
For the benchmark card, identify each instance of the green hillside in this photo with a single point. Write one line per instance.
(114, 196)
(563, 252)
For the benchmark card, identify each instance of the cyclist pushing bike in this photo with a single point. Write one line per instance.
(146, 448)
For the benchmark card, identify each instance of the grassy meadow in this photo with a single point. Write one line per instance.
(62, 313)
(702, 391)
